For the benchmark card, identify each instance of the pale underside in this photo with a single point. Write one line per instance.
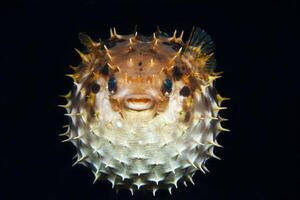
(134, 152)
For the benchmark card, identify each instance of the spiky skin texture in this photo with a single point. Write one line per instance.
(144, 113)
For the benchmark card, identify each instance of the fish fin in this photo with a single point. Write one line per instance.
(201, 44)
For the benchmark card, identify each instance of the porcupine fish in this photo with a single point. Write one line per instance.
(144, 112)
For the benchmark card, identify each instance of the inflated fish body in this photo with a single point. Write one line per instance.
(144, 110)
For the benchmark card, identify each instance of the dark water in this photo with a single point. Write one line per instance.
(256, 48)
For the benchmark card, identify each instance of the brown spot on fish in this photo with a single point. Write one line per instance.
(105, 70)
(177, 73)
(187, 116)
(185, 91)
(95, 88)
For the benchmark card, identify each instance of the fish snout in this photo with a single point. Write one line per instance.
(139, 102)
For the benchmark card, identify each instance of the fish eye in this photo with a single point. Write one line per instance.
(167, 86)
(112, 84)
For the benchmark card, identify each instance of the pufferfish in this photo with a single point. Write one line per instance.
(144, 112)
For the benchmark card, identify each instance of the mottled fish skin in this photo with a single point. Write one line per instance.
(144, 112)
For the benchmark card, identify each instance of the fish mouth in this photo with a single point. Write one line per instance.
(139, 102)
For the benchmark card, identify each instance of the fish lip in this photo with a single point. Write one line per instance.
(139, 102)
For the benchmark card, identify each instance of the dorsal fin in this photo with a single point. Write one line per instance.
(199, 38)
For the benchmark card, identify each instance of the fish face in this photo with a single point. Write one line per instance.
(144, 112)
(143, 83)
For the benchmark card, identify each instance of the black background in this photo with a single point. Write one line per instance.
(256, 47)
